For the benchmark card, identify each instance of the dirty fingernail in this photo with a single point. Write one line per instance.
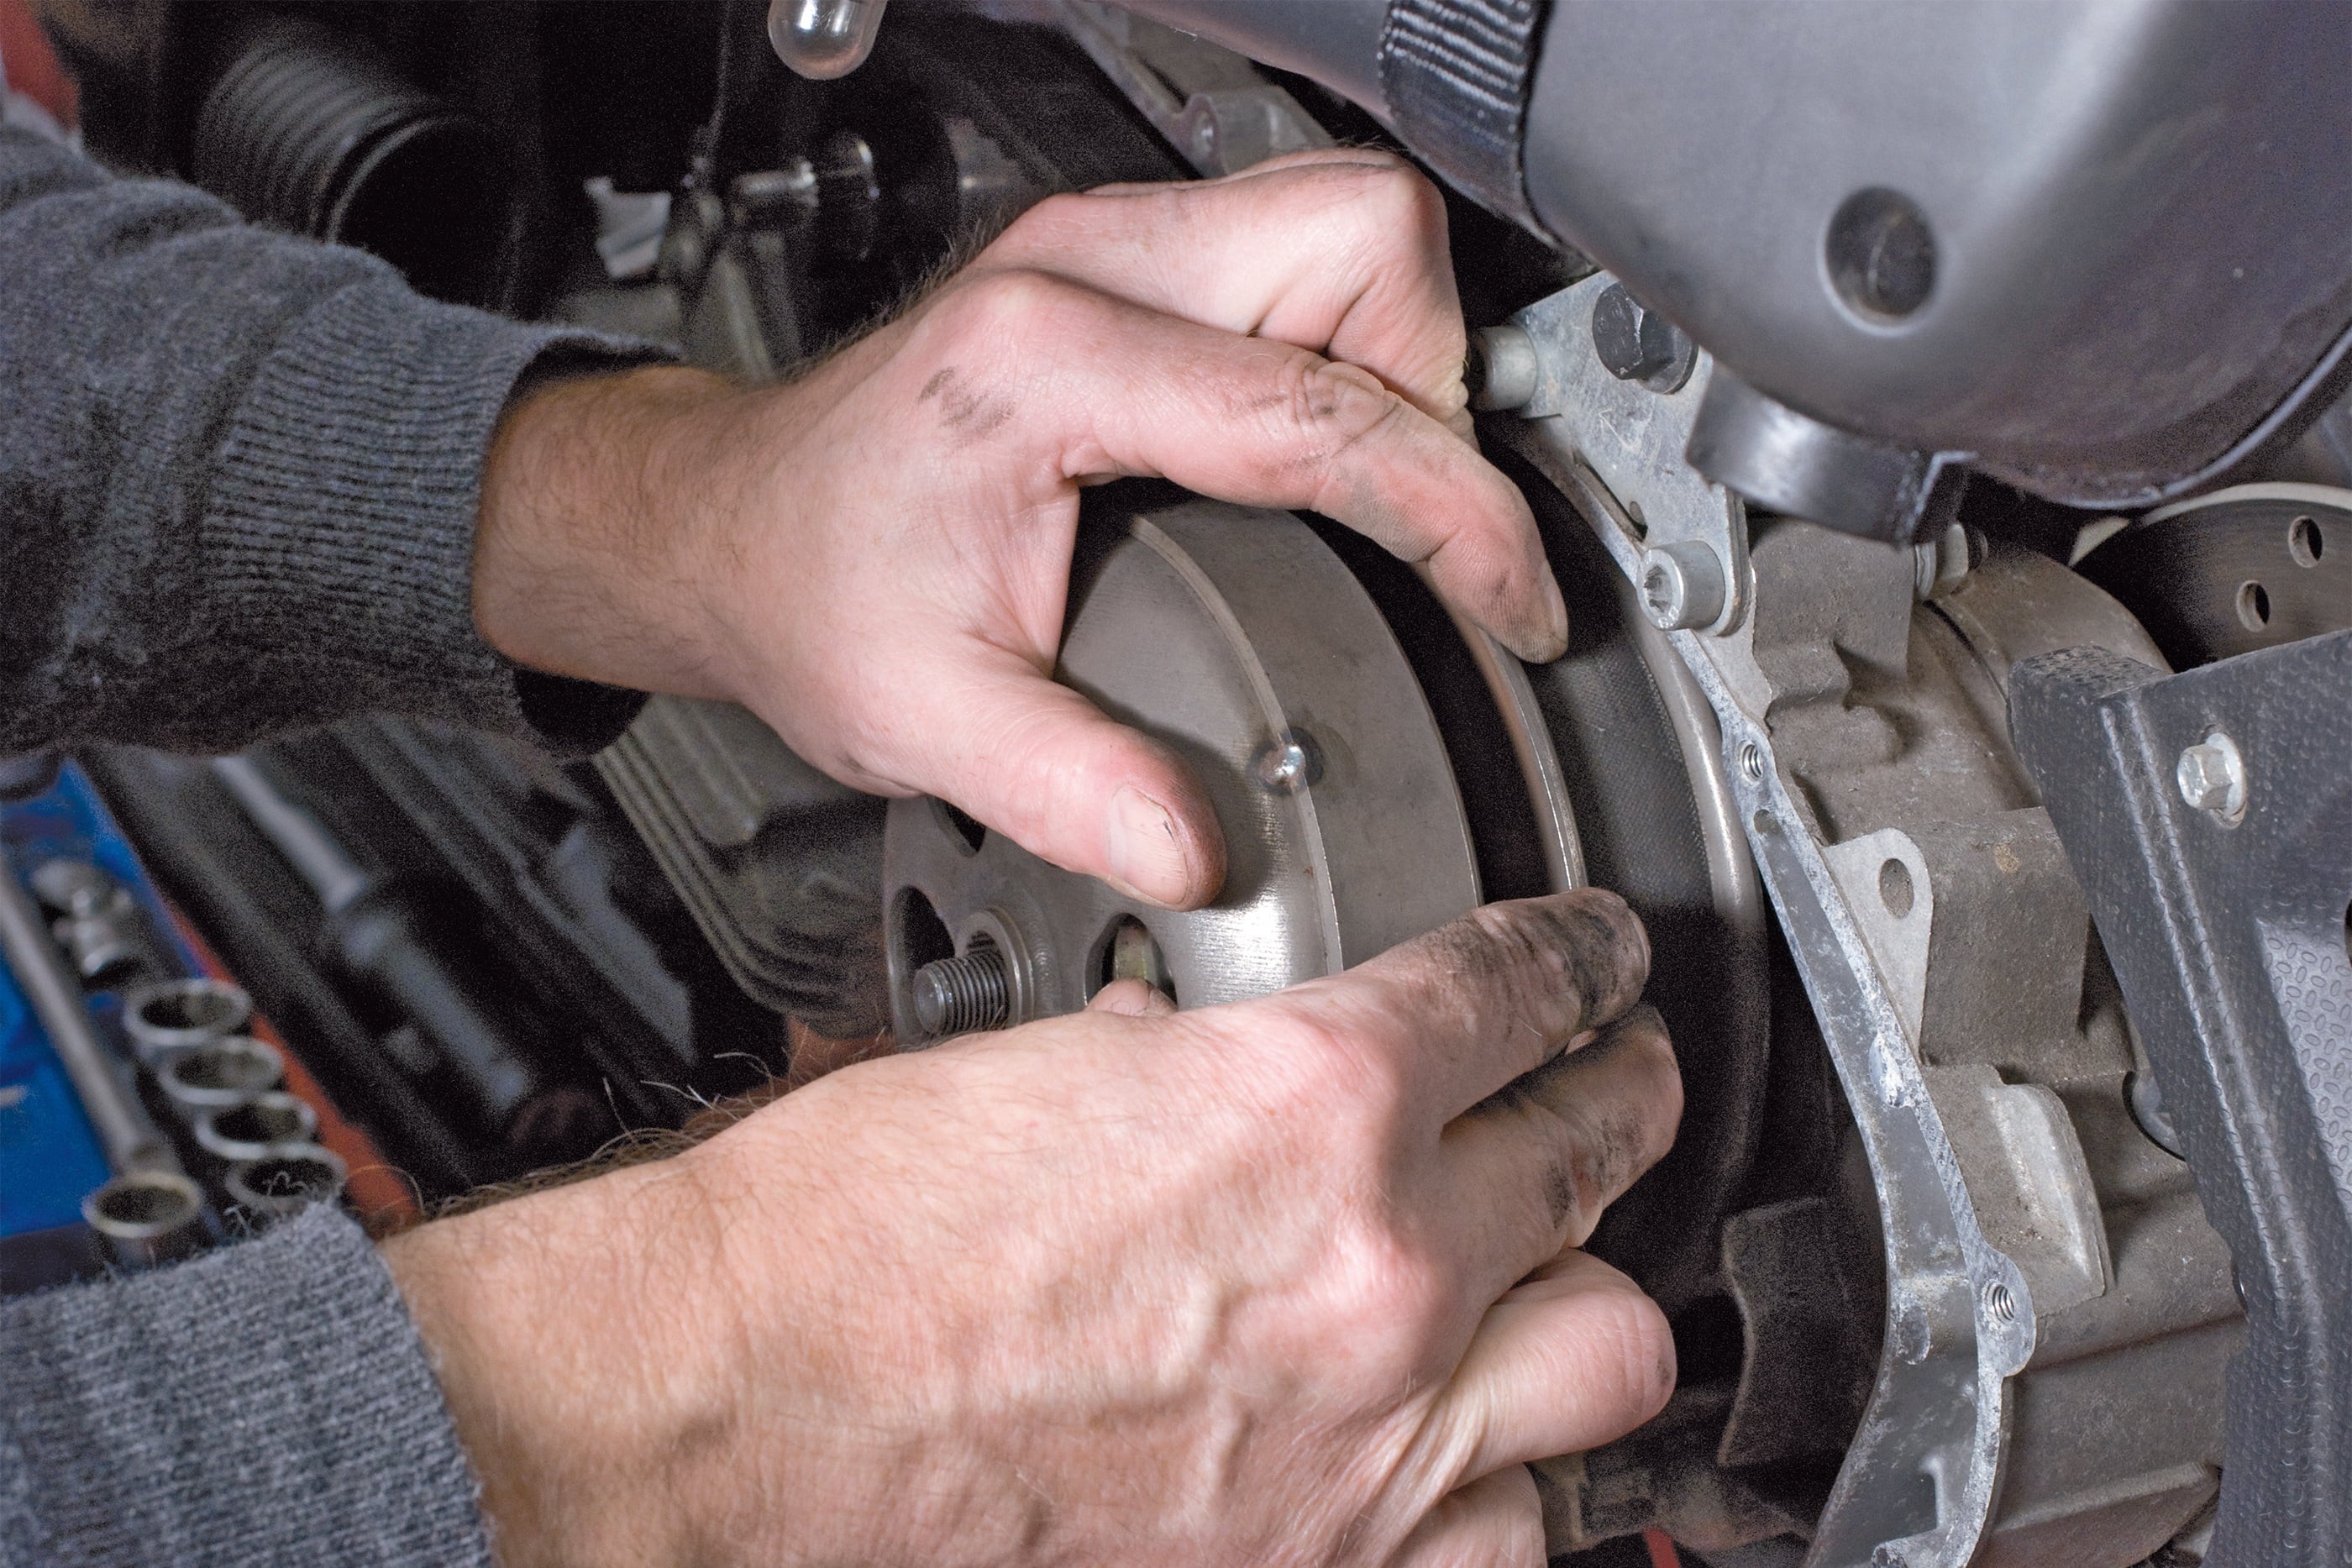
(1555, 617)
(1147, 858)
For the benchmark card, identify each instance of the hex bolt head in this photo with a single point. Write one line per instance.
(1682, 586)
(1635, 343)
(2212, 778)
(1502, 369)
(958, 995)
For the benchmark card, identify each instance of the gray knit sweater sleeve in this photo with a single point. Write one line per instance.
(267, 1404)
(238, 477)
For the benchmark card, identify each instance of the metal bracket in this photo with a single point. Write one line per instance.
(1921, 1477)
(2224, 913)
(1688, 546)
(1211, 104)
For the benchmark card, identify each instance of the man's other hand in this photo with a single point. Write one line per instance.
(1286, 1281)
(875, 558)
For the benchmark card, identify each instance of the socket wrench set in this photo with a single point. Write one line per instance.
(141, 1117)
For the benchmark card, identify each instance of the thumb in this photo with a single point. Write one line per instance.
(1039, 763)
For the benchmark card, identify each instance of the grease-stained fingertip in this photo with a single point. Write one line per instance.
(1156, 856)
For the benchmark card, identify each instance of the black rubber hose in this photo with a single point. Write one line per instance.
(309, 131)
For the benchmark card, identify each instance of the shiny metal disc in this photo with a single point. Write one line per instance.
(1239, 639)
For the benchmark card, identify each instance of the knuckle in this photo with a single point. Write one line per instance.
(1386, 1292)
(1009, 307)
(1347, 1081)
(1326, 407)
(1410, 203)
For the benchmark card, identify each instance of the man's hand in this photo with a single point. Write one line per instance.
(1290, 1280)
(875, 558)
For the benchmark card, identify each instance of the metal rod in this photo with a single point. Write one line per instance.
(130, 1140)
(300, 837)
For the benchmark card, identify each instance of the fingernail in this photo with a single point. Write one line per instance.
(1555, 614)
(1147, 858)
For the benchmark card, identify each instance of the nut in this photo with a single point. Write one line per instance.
(2212, 777)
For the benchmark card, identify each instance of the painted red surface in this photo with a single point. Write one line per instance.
(32, 66)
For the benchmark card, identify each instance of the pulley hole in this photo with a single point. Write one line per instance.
(1130, 951)
(1765, 823)
(1881, 254)
(962, 825)
(1894, 889)
(2253, 606)
(2304, 543)
(917, 936)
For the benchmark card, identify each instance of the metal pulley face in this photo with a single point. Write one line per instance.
(1241, 640)
(2246, 567)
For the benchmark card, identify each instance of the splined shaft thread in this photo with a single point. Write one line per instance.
(958, 995)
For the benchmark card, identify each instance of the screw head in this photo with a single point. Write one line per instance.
(1286, 764)
(2211, 775)
(1635, 343)
(1682, 586)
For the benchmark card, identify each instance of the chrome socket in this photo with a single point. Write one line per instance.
(220, 1072)
(168, 1015)
(286, 1181)
(269, 1123)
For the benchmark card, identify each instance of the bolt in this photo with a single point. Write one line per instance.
(1635, 343)
(1939, 565)
(1502, 367)
(967, 992)
(1682, 586)
(2212, 777)
(1286, 764)
(772, 197)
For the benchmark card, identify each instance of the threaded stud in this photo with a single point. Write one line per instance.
(970, 991)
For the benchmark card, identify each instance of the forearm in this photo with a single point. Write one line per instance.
(240, 475)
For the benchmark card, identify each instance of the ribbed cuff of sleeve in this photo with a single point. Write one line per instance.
(269, 1403)
(340, 531)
